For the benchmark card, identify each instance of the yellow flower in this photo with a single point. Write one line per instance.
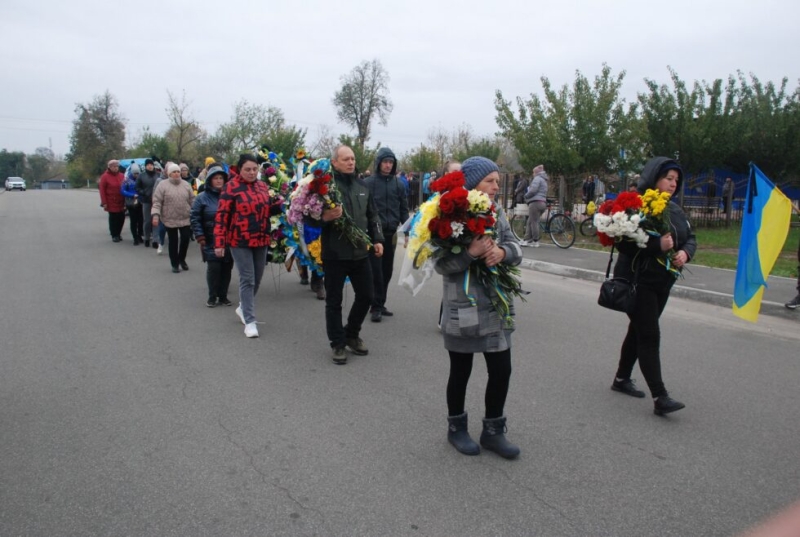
(478, 201)
(283, 167)
(315, 249)
(301, 154)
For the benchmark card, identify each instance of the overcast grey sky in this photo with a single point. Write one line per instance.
(445, 58)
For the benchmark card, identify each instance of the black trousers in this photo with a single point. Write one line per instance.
(498, 366)
(136, 221)
(360, 274)
(116, 221)
(382, 268)
(643, 340)
(218, 277)
(177, 251)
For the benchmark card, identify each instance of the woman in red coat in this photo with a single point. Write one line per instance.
(112, 200)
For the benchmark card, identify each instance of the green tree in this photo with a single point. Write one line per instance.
(98, 135)
(480, 147)
(363, 96)
(38, 168)
(250, 127)
(422, 159)
(150, 144)
(574, 129)
(286, 140)
(12, 164)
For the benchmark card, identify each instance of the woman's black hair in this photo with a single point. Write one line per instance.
(245, 157)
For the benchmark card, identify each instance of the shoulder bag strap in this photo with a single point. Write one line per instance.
(610, 260)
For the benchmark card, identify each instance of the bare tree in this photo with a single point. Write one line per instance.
(325, 142)
(439, 141)
(364, 95)
(183, 131)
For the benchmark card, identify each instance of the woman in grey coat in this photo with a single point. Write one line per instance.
(468, 329)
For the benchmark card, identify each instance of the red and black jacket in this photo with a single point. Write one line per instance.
(243, 213)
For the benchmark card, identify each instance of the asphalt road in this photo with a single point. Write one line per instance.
(129, 408)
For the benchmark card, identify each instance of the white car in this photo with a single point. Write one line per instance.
(16, 183)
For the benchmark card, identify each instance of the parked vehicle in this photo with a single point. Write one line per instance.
(16, 183)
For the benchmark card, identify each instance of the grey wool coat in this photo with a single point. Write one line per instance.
(467, 328)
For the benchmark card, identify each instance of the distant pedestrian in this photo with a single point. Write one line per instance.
(536, 198)
(711, 195)
(135, 214)
(145, 185)
(112, 200)
(589, 187)
(172, 206)
(727, 195)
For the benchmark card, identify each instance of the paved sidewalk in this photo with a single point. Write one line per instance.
(702, 283)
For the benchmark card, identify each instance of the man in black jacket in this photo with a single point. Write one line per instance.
(391, 202)
(145, 184)
(342, 259)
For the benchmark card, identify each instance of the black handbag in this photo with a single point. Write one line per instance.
(618, 294)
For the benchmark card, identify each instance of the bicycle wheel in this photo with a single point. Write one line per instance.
(518, 224)
(562, 230)
(587, 228)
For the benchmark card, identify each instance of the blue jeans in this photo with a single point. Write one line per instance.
(251, 263)
(162, 232)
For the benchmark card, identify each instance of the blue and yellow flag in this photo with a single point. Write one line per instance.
(765, 226)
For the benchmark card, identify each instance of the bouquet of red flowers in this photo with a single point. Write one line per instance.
(448, 222)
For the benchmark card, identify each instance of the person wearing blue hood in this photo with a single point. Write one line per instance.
(203, 217)
(132, 203)
(648, 266)
(391, 203)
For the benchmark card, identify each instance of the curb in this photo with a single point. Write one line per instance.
(724, 300)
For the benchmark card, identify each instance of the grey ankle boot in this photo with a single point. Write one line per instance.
(494, 439)
(458, 436)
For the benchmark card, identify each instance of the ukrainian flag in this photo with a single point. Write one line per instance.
(765, 226)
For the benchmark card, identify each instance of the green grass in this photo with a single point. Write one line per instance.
(719, 248)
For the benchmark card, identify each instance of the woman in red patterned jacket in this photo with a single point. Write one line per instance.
(242, 224)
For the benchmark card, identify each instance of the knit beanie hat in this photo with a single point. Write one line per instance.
(475, 169)
(172, 167)
(148, 161)
(135, 168)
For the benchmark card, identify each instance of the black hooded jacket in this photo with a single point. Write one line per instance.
(146, 184)
(203, 217)
(388, 193)
(646, 260)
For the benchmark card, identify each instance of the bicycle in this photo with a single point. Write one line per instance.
(554, 222)
(587, 225)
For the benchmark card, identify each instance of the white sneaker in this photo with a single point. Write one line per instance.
(160, 250)
(240, 313)
(535, 244)
(250, 330)
(524, 243)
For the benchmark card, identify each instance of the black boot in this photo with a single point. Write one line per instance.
(458, 436)
(494, 439)
(665, 404)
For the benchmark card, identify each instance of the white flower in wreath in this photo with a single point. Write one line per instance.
(458, 229)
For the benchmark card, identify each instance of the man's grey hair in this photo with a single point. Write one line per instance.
(335, 152)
